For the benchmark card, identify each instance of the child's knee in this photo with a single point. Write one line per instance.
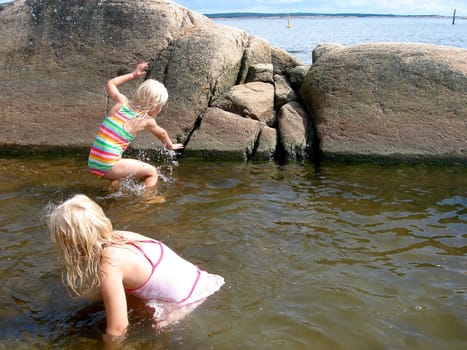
(148, 169)
(154, 171)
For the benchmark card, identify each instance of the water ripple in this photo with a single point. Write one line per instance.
(337, 257)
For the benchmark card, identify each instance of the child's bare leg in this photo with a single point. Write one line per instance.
(151, 180)
(133, 168)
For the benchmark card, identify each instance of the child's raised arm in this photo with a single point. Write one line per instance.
(113, 84)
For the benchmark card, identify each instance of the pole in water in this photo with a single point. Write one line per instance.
(454, 17)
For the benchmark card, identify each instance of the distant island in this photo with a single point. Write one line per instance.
(308, 14)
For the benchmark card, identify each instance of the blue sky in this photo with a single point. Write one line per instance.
(397, 7)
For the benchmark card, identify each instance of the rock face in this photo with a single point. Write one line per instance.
(293, 118)
(253, 100)
(58, 55)
(231, 95)
(251, 139)
(389, 100)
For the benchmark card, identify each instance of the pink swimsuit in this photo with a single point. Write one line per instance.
(173, 279)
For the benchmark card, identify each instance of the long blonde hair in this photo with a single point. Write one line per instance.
(149, 95)
(79, 228)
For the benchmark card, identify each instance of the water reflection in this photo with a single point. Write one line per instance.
(361, 257)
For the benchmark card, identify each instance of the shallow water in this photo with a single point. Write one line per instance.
(340, 257)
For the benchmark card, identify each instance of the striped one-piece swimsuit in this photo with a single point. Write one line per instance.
(111, 141)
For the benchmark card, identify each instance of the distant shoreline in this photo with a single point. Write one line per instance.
(228, 15)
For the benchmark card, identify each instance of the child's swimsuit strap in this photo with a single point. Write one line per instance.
(154, 265)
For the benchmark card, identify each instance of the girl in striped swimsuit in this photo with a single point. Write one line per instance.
(124, 263)
(125, 120)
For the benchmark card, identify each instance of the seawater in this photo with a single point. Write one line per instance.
(307, 32)
(335, 257)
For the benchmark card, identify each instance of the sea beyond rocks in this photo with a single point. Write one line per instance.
(231, 95)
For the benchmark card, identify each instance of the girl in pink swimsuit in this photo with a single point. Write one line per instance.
(121, 263)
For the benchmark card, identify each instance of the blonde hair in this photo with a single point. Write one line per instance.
(79, 229)
(150, 95)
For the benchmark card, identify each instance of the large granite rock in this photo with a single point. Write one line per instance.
(375, 100)
(389, 100)
(55, 57)
(253, 100)
(247, 138)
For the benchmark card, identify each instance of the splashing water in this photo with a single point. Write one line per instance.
(130, 187)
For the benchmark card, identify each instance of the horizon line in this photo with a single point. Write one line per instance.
(310, 14)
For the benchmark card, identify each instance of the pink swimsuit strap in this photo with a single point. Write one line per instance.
(154, 265)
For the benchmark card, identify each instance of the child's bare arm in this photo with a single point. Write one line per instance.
(163, 135)
(113, 84)
(113, 294)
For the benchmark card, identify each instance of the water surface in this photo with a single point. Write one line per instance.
(307, 32)
(340, 257)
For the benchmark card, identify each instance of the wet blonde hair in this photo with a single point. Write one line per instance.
(80, 229)
(150, 95)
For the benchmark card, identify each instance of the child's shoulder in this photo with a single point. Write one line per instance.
(150, 122)
(116, 107)
(129, 235)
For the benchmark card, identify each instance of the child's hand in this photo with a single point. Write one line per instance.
(176, 146)
(140, 69)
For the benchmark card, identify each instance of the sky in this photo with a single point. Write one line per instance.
(395, 7)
